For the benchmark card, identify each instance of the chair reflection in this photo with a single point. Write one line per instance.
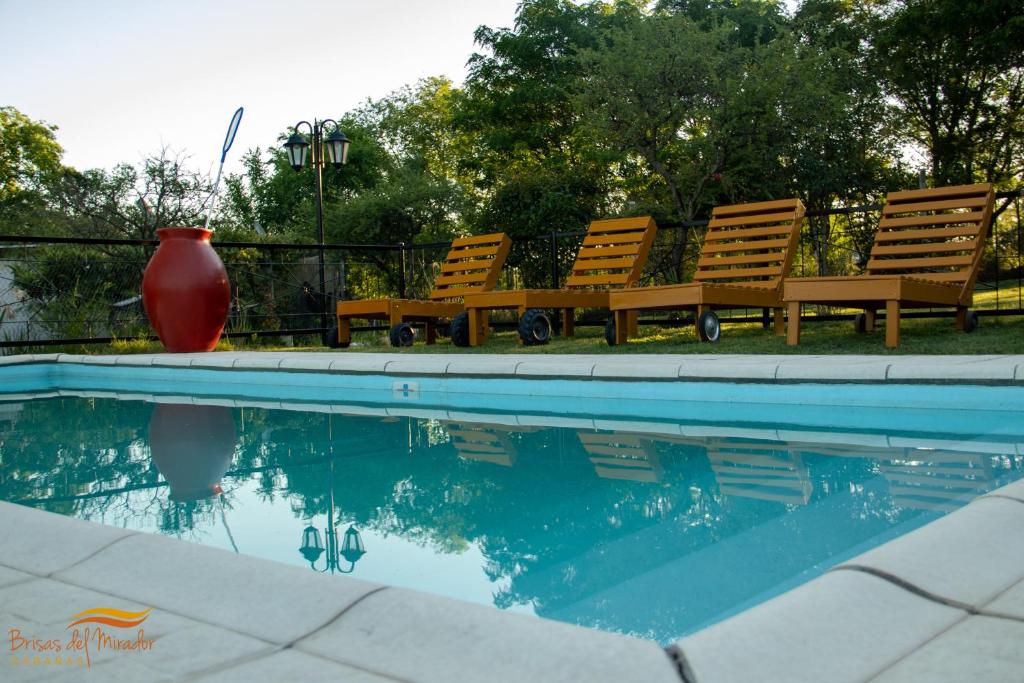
(923, 478)
(486, 442)
(761, 470)
(619, 455)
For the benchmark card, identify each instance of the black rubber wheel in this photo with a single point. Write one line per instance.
(332, 340)
(609, 331)
(460, 329)
(860, 323)
(402, 334)
(971, 321)
(708, 327)
(535, 327)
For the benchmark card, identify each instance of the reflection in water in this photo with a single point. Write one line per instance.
(192, 447)
(352, 548)
(645, 528)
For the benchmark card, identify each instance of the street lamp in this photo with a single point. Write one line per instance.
(336, 146)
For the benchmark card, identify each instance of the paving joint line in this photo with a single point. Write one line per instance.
(907, 586)
(337, 616)
(105, 546)
(682, 667)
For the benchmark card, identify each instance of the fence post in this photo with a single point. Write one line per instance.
(554, 260)
(401, 270)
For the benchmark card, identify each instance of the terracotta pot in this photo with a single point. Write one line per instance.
(192, 447)
(185, 290)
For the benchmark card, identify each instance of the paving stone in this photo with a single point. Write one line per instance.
(173, 360)
(361, 362)
(728, 369)
(135, 359)
(9, 576)
(430, 365)
(970, 555)
(953, 368)
(1014, 490)
(317, 364)
(50, 604)
(289, 665)
(639, 368)
(98, 360)
(420, 637)
(264, 599)
(841, 627)
(561, 367)
(872, 369)
(214, 360)
(252, 362)
(16, 360)
(42, 542)
(978, 649)
(1009, 603)
(487, 365)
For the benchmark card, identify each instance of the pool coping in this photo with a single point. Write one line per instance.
(911, 369)
(901, 611)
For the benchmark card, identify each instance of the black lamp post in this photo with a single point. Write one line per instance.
(336, 145)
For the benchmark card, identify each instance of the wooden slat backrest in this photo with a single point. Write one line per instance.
(935, 234)
(751, 244)
(613, 253)
(472, 265)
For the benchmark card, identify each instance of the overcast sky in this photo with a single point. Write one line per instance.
(120, 78)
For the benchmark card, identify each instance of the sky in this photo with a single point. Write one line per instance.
(122, 78)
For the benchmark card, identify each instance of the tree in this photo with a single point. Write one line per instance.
(133, 201)
(957, 70)
(30, 158)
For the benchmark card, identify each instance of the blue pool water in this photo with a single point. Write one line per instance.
(576, 509)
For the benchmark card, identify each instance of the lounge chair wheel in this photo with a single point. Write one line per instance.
(971, 321)
(332, 339)
(708, 327)
(534, 327)
(402, 334)
(460, 329)
(860, 323)
(609, 331)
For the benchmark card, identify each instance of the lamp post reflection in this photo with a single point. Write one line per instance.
(312, 548)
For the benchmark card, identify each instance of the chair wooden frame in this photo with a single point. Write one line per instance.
(613, 254)
(747, 251)
(926, 253)
(472, 265)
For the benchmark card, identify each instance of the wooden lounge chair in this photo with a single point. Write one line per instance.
(472, 265)
(926, 253)
(613, 254)
(747, 251)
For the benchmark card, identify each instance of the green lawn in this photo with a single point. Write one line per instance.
(1003, 335)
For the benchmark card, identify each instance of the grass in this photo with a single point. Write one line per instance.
(995, 335)
(1003, 335)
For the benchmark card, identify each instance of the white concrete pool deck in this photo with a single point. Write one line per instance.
(943, 602)
(1007, 369)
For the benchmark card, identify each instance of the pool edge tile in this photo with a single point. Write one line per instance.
(417, 636)
(818, 631)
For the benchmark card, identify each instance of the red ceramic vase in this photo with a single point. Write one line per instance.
(185, 290)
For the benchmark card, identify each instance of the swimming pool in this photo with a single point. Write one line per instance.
(652, 516)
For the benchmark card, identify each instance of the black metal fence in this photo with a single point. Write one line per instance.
(65, 291)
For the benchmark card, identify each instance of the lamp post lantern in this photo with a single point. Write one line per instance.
(335, 145)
